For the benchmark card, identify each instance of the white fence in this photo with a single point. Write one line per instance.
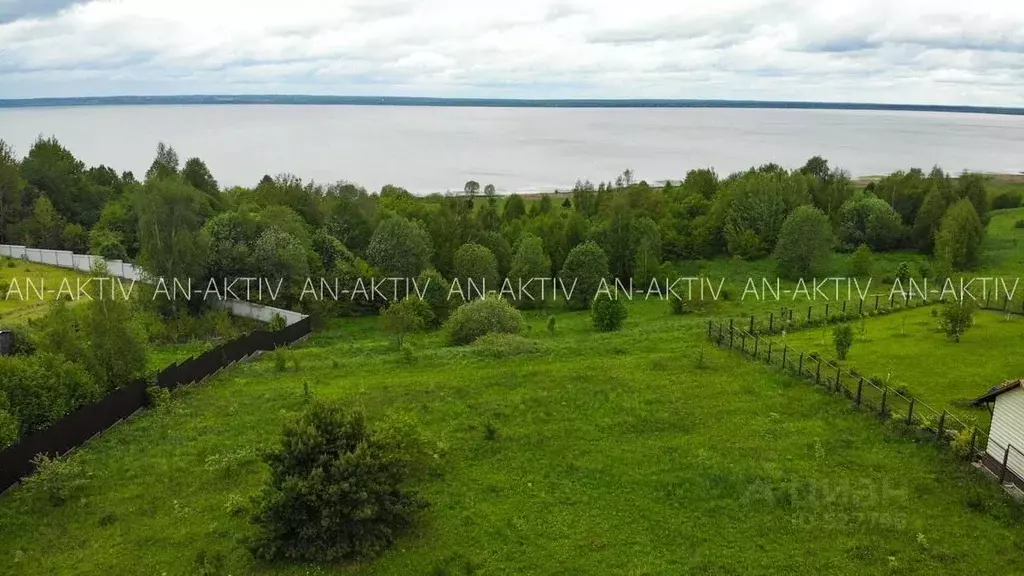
(128, 271)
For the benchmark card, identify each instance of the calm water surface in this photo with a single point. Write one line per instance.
(428, 149)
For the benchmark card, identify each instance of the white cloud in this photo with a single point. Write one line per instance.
(846, 50)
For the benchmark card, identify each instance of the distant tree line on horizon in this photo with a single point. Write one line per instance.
(176, 221)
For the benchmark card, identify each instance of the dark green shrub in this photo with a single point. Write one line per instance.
(1006, 200)
(434, 291)
(478, 317)
(805, 243)
(584, 268)
(608, 313)
(1019, 223)
(505, 345)
(860, 263)
(338, 489)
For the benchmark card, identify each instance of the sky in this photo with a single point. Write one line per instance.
(889, 51)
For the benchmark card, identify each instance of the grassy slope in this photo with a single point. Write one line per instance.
(19, 309)
(616, 454)
(911, 351)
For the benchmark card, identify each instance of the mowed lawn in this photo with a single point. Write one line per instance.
(639, 452)
(22, 281)
(908, 349)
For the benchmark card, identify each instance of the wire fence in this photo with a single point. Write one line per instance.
(790, 319)
(867, 394)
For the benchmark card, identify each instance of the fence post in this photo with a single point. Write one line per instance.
(876, 301)
(751, 324)
(910, 412)
(769, 352)
(756, 342)
(771, 323)
(885, 396)
(790, 314)
(785, 348)
(844, 308)
(839, 374)
(800, 368)
(709, 329)
(974, 439)
(730, 333)
(860, 389)
(942, 426)
(1006, 460)
(743, 343)
(860, 307)
(720, 339)
(826, 311)
(817, 373)
(808, 314)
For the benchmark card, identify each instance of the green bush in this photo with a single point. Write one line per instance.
(476, 264)
(505, 345)
(478, 317)
(608, 313)
(338, 489)
(677, 305)
(956, 318)
(584, 268)
(1019, 223)
(1006, 200)
(58, 478)
(434, 288)
(277, 323)
(860, 264)
(405, 316)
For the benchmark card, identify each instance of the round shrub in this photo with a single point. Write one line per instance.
(585, 267)
(608, 313)
(338, 488)
(486, 316)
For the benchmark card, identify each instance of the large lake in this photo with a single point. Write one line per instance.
(427, 149)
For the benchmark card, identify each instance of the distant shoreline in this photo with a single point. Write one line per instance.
(272, 99)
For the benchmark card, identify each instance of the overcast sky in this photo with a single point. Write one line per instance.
(899, 51)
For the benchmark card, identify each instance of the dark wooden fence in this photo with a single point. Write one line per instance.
(888, 403)
(81, 425)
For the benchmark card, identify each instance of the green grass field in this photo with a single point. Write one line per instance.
(16, 275)
(907, 349)
(646, 451)
(615, 453)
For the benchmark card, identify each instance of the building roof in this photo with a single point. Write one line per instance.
(1004, 388)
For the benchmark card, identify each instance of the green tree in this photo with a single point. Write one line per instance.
(489, 190)
(399, 248)
(198, 175)
(338, 489)
(842, 338)
(117, 352)
(646, 242)
(514, 208)
(165, 165)
(529, 262)
(475, 263)
(754, 206)
(55, 172)
(172, 242)
(971, 186)
(805, 243)
(472, 188)
(404, 316)
(958, 241)
(582, 273)
(956, 318)
(44, 227)
(498, 246)
(860, 264)
(872, 221)
(12, 187)
(929, 217)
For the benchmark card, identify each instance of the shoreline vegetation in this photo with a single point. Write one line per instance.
(301, 99)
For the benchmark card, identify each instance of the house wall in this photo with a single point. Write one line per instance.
(1008, 430)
